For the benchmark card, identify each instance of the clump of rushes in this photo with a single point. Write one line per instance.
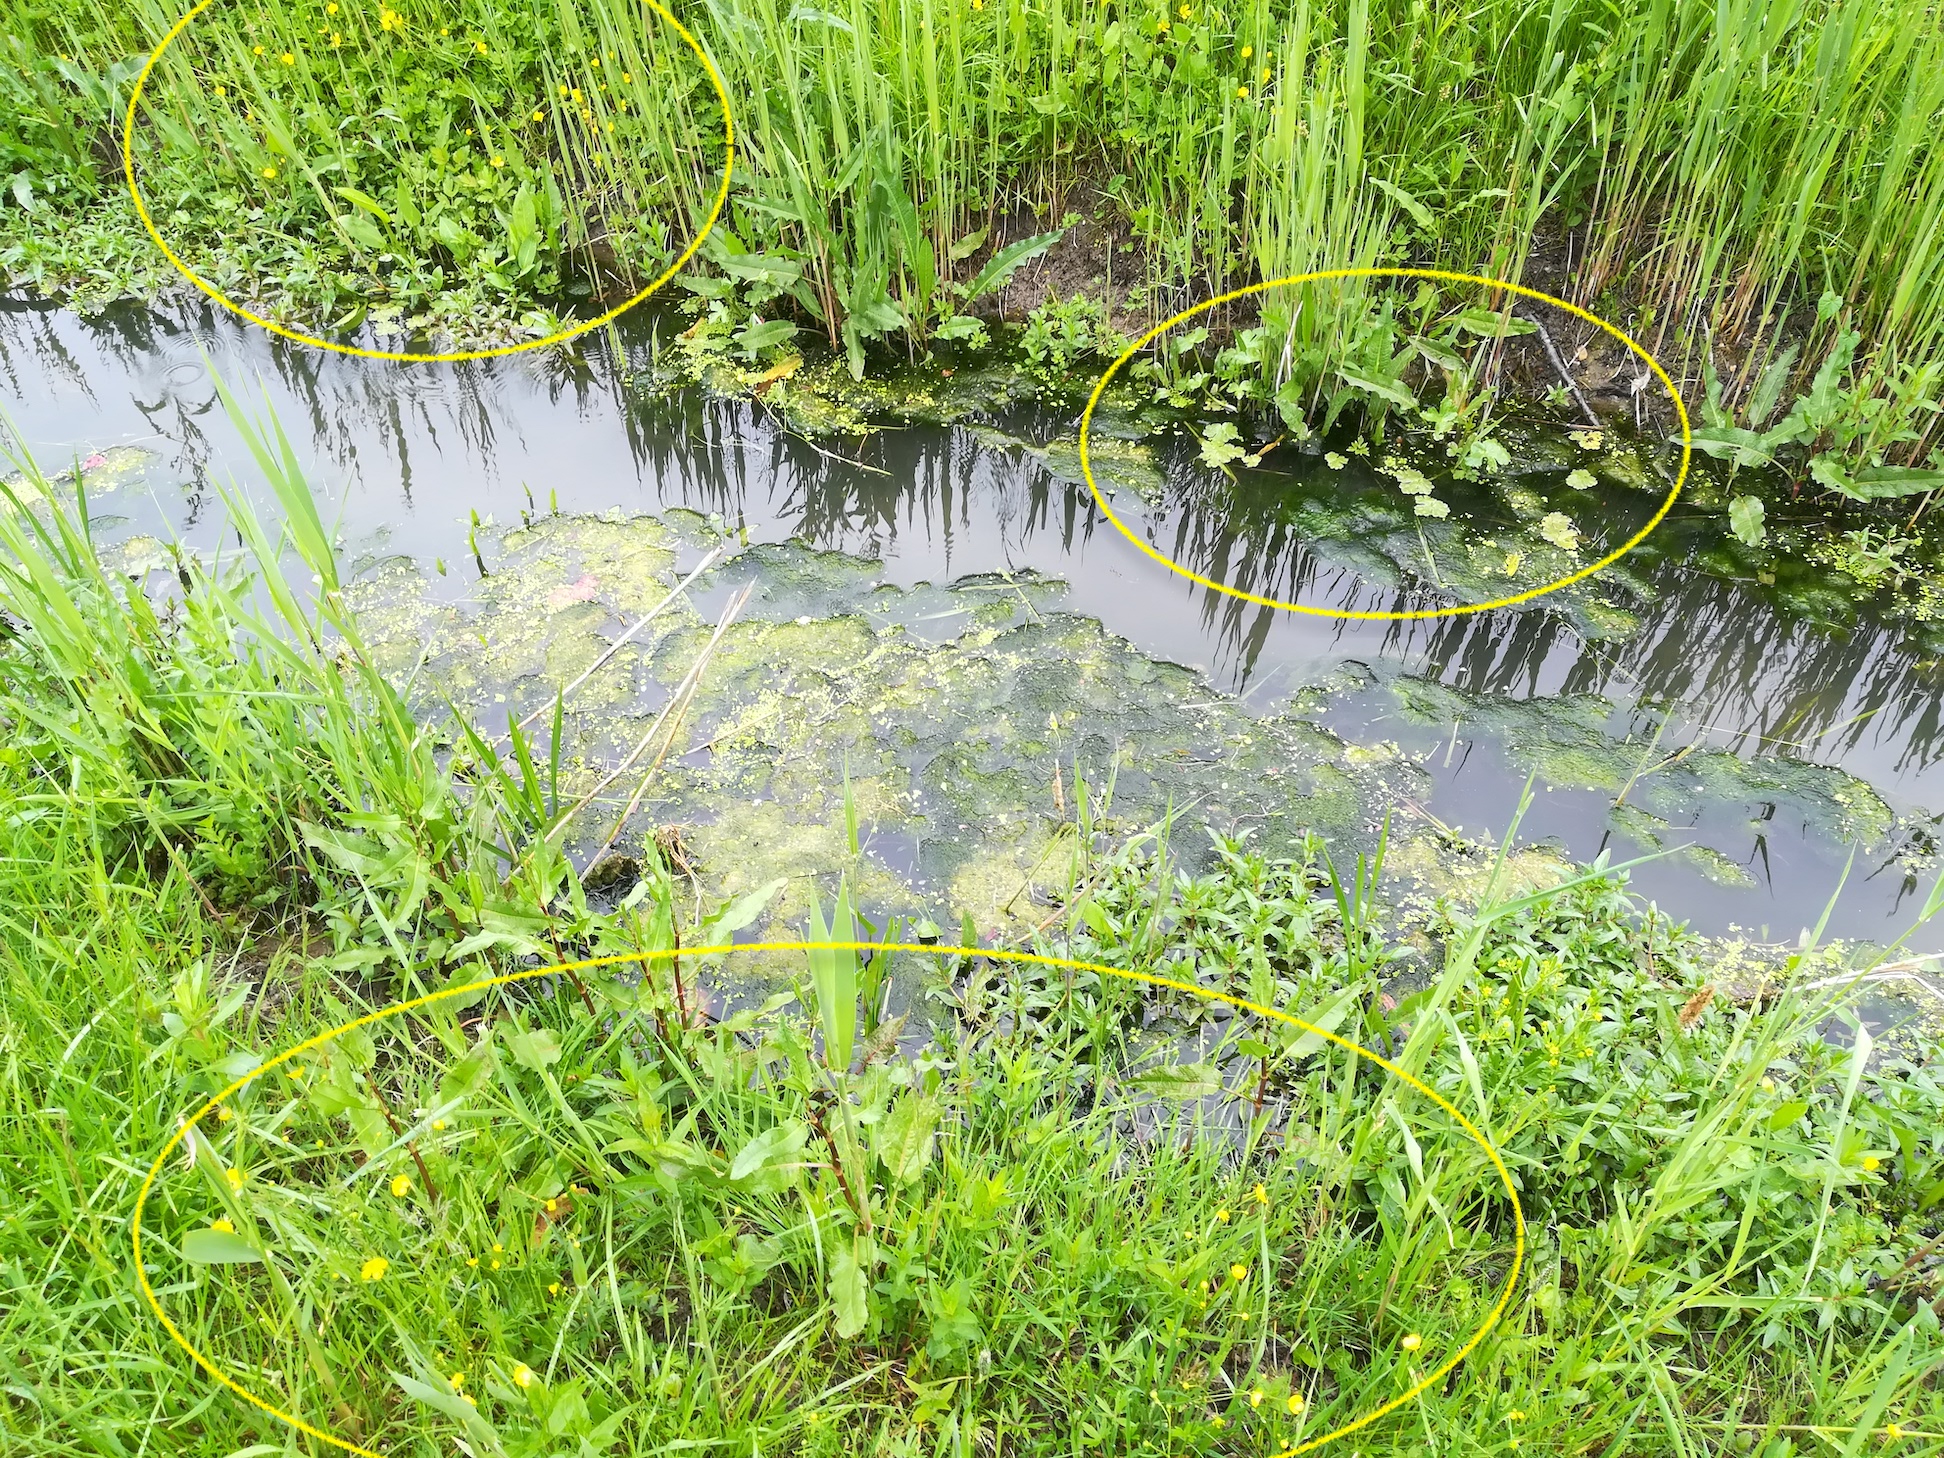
(878, 142)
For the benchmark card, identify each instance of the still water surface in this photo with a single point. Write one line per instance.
(411, 453)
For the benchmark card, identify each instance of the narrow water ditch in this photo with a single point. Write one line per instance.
(943, 612)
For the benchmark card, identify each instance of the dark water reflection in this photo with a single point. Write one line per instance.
(411, 453)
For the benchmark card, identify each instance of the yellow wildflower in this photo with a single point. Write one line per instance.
(1260, 1195)
(1238, 1273)
(1222, 1215)
(626, 79)
(235, 1176)
(499, 1249)
(336, 40)
(552, 1205)
(1265, 75)
(221, 92)
(1872, 1163)
(1893, 1432)
(1516, 1416)
(1185, 13)
(1220, 1421)
(499, 161)
(256, 50)
(523, 1375)
(472, 1260)
(1412, 1342)
(1255, 1398)
(390, 20)
(480, 46)
(401, 1185)
(496, 1265)
(458, 1380)
(1295, 1402)
(539, 116)
(288, 60)
(438, 1124)
(373, 1269)
(331, 9)
(554, 1289)
(222, 1225)
(1241, 93)
(1247, 51)
(223, 1114)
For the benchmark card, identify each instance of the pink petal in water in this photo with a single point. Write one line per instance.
(581, 590)
(94, 462)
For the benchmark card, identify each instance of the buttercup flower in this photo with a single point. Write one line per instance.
(1222, 1215)
(222, 1225)
(1247, 51)
(331, 9)
(1872, 1163)
(256, 50)
(1241, 93)
(458, 1380)
(499, 161)
(1295, 1402)
(220, 91)
(235, 1176)
(1260, 1195)
(373, 1269)
(1238, 1273)
(554, 1289)
(288, 60)
(552, 1205)
(1255, 1398)
(401, 1185)
(1412, 1342)
(523, 1375)
(390, 20)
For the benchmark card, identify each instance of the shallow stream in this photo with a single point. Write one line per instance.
(943, 610)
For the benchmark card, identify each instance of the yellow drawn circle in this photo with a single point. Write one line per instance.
(715, 212)
(637, 958)
(1100, 388)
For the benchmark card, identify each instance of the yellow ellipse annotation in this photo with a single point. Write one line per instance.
(560, 337)
(1457, 610)
(1032, 958)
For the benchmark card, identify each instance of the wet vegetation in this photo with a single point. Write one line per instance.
(912, 1194)
(891, 1202)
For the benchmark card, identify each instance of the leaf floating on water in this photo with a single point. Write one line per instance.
(1431, 506)
(1558, 528)
(1746, 518)
(1581, 480)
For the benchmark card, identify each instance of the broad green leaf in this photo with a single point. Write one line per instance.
(1392, 390)
(1329, 1017)
(1490, 324)
(218, 1248)
(366, 201)
(1745, 514)
(849, 1292)
(1420, 214)
(1000, 266)
(970, 244)
(1788, 1114)
(902, 1140)
(535, 1048)
(469, 1075)
(773, 1146)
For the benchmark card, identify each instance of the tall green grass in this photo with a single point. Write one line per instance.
(1760, 178)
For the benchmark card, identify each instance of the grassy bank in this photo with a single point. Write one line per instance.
(1755, 192)
(932, 1203)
